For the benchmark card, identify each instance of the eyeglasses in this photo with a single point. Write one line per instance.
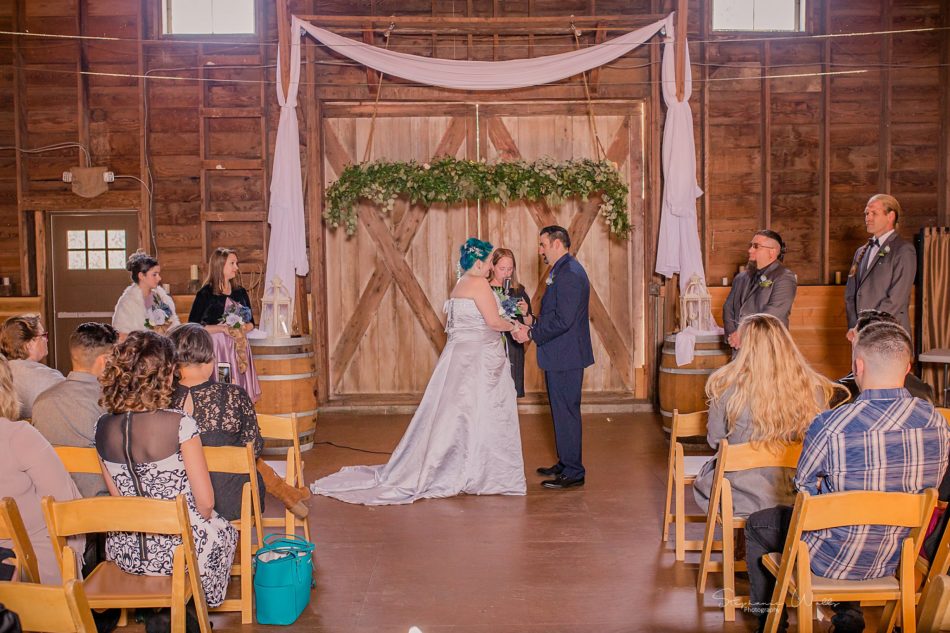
(757, 246)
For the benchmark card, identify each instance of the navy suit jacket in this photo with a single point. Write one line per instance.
(562, 331)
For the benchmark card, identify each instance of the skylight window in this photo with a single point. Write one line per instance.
(207, 17)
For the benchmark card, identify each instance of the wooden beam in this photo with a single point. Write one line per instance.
(146, 239)
(679, 49)
(884, 134)
(765, 122)
(283, 43)
(21, 139)
(445, 25)
(372, 77)
(824, 259)
(599, 38)
(943, 177)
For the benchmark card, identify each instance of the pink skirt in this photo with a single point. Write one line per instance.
(225, 352)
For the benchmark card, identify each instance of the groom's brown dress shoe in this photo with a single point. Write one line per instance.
(561, 482)
(552, 471)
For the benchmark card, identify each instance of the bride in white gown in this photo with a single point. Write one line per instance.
(464, 437)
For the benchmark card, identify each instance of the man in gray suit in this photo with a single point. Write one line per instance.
(882, 273)
(765, 286)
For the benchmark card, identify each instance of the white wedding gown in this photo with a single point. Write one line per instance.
(464, 437)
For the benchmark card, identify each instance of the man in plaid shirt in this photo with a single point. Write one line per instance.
(885, 440)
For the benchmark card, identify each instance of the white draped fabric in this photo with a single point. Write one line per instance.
(287, 248)
(679, 248)
(469, 75)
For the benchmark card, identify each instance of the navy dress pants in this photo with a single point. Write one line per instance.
(564, 394)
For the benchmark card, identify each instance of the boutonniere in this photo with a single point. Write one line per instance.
(764, 282)
(549, 280)
(884, 251)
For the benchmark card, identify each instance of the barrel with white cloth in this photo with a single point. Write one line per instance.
(684, 387)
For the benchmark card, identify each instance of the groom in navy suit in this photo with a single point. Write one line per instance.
(562, 334)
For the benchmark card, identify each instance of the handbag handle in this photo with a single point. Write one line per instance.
(285, 542)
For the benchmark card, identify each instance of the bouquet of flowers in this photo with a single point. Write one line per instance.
(507, 306)
(235, 315)
(157, 316)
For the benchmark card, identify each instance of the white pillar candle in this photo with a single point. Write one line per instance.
(6, 281)
(725, 281)
(838, 277)
(194, 271)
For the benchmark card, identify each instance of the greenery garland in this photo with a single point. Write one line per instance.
(450, 180)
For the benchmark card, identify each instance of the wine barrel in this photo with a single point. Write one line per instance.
(684, 388)
(286, 371)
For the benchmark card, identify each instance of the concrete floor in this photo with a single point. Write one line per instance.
(580, 560)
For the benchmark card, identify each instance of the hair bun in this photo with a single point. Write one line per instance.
(135, 258)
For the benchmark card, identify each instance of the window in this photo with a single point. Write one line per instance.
(759, 15)
(190, 17)
(95, 250)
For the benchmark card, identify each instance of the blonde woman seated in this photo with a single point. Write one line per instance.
(144, 305)
(767, 395)
(148, 450)
(30, 470)
(25, 343)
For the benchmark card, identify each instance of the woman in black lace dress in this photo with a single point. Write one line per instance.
(225, 417)
(504, 268)
(223, 411)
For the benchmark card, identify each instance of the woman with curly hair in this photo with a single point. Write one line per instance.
(151, 451)
(768, 395)
(464, 437)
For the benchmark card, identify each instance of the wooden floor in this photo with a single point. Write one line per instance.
(582, 560)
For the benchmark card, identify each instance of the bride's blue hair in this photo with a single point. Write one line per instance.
(473, 250)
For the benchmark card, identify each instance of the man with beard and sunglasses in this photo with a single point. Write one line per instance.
(765, 286)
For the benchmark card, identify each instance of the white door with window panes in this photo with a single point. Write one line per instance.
(87, 259)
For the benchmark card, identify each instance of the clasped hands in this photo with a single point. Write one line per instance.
(520, 333)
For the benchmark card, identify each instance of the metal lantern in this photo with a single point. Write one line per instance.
(695, 309)
(277, 310)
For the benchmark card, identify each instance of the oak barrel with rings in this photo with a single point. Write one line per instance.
(684, 388)
(286, 372)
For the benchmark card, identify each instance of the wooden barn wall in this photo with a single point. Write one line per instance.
(798, 154)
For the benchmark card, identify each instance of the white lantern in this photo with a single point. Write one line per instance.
(695, 310)
(277, 310)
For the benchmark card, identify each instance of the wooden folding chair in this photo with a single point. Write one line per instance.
(945, 413)
(275, 427)
(792, 569)
(107, 586)
(79, 460)
(935, 607)
(12, 528)
(681, 471)
(241, 461)
(49, 608)
(730, 459)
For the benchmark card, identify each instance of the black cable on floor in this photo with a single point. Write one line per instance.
(353, 448)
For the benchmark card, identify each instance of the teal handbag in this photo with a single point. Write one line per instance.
(283, 578)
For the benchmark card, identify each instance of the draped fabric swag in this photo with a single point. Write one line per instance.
(678, 249)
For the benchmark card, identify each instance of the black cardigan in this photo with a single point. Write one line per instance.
(208, 307)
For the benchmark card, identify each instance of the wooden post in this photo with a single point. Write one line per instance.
(680, 48)
(283, 43)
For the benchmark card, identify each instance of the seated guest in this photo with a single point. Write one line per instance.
(67, 412)
(767, 396)
(917, 387)
(223, 307)
(144, 305)
(29, 471)
(225, 417)
(24, 341)
(148, 450)
(885, 440)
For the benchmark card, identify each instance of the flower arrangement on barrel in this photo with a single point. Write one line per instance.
(451, 180)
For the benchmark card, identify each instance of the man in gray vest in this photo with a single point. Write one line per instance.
(765, 286)
(882, 273)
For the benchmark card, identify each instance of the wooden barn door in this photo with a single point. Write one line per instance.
(387, 284)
